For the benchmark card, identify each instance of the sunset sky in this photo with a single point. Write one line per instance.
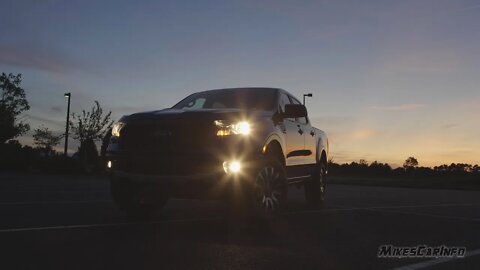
(390, 79)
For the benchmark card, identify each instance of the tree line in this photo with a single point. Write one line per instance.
(88, 127)
(410, 169)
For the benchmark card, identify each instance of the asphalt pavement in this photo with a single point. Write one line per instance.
(70, 222)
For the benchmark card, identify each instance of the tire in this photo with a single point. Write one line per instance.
(315, 186)
(269, 188)
(246, 204)
(130, 200)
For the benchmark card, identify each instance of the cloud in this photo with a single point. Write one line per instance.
(402, 107)
(424, 61)
(41, 58)
(333, 120)
(44, 120)
(362, 133)
(469, 8)
(57, 109)
(449, 126)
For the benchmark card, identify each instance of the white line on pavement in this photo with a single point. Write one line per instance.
(386, 209)
(54, 202)
(53, 191)
(424, 214)
(100, 225)
(348, 208)
(376, 208)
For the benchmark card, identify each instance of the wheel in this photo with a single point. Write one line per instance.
(269, 187)
(258, 198)
(130, 200)
(315, 186)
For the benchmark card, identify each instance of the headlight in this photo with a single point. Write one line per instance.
(232, 166)
(116, 129)
(224, 129)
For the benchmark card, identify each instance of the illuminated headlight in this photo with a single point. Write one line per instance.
(117, 127)
(224, 129)
(109, 164)
(232, 166)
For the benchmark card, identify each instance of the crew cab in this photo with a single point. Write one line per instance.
(239, 144)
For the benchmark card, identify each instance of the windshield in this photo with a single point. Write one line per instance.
(262, 99)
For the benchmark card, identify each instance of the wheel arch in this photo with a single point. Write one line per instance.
(274, 148)
(321, 152)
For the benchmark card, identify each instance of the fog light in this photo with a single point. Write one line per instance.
(232, 166)
(109, 164)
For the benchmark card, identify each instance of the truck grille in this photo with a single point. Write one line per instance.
(169, 149)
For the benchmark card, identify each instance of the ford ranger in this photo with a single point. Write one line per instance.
(240, 144)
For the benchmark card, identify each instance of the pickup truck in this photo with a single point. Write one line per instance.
(244, 145)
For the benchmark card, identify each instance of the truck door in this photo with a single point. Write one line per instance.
(310, 145)
(293, 136)
(309, 142)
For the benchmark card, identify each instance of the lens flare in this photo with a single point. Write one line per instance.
(116, 129)
(232, 166)
(243, 128)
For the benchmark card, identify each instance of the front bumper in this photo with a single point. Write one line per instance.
(201, 186)
(183, 160)
(185, 172)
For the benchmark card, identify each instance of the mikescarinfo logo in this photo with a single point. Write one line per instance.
(421, 251)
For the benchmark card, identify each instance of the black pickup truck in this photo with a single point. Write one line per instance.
(238, 144)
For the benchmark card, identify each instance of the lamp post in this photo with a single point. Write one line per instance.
(67, 95)
(306, 95)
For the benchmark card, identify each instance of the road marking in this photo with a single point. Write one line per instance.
(430, 263)
(424, 205)
(424, 214)
(54, 202)
(374, 208)
(347, 208)
(101, 225)
(385, 209)
(81, 202)
(53, 191)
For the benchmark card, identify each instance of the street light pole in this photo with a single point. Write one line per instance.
(306, 95)
(67, 95)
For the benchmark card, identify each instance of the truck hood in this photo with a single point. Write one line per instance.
(204, 114)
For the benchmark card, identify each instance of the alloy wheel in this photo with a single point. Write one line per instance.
(269, 187)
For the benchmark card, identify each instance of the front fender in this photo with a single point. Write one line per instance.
(322, 145)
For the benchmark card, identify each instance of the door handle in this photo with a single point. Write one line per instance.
(300, 130)
(312, 133)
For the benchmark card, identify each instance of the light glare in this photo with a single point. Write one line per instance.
(116, 129)
(243, 128)
(224, 129)
(232, 166)
(235, 166)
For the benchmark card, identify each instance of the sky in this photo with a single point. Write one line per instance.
(390, 79)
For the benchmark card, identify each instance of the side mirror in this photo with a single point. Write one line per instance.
(295, 111)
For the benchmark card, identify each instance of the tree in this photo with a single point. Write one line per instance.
(91, 125)
(45, 140)
(476, 169)
(410, 163)
(105, 142)
(88, 154)
(87, 128)
(13, 102)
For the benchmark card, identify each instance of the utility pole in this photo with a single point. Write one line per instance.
(67, 95)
